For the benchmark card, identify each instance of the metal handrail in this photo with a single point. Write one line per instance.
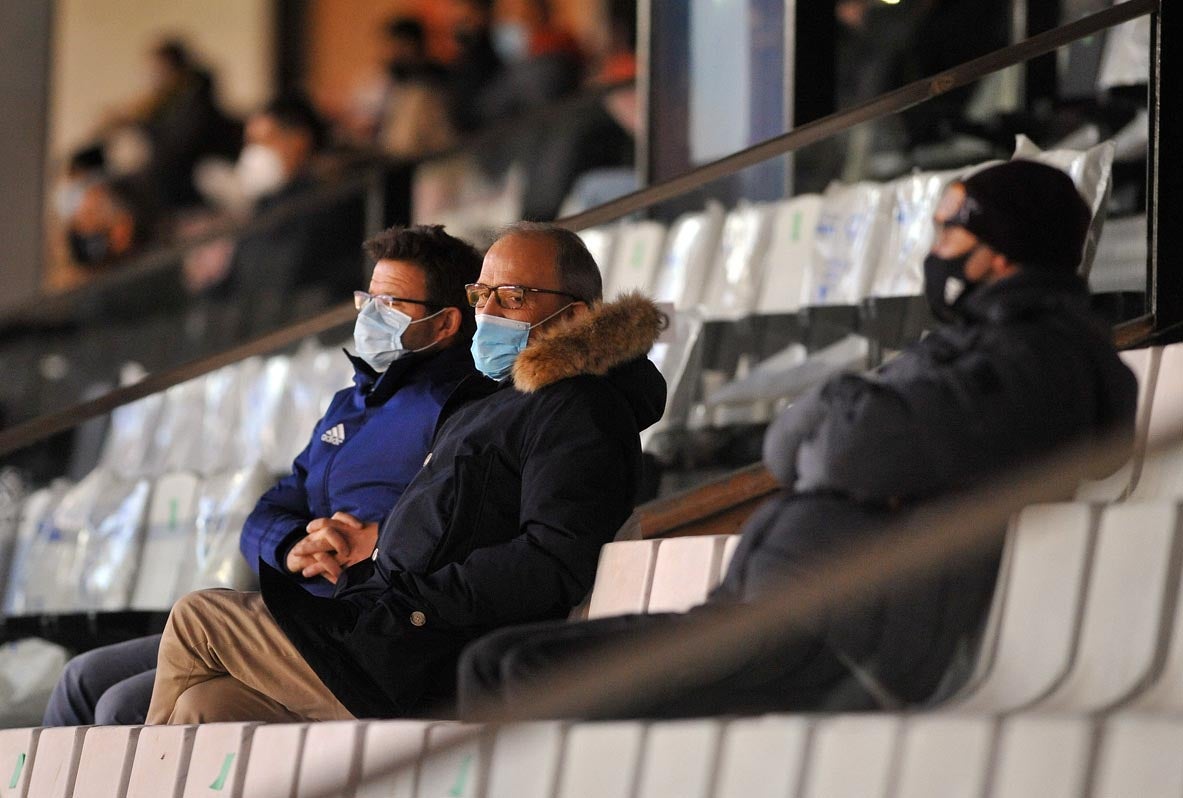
(35, 429)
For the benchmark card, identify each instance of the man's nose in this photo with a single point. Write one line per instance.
(492, 307)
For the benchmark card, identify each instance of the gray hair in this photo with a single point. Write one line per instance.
(578, 273)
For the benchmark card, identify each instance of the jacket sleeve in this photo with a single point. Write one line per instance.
(279, 519)
(578, 485)
(786, 433)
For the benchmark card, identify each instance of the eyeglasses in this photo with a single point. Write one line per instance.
(510, 297)
(361, 299)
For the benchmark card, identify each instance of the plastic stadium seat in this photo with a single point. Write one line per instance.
(733, 286)
(1144, 363)
(677, 355)
(178, 443)
(601, 760)
(944, 756)
(899, 267)
(169, 542)
(1036, 608)
(35, 511)
(1140, 756)
(1161, 476)
(161, 762)
(525, 760)
(762, 757)
(331, 762)
(624, 577)
(385, 743)
(688, 258)
(601, 243)
(687, 570)
(457, 772)
(680, 759)
(729, 547)
(105, 764)
(851, 755)
(1042, 756)
(790, 249)
(851, 229)
(223, 504)
(634, 263)
(1125, 608)
(217, 765)
(275, 761)
(56, 765)
(18, 748)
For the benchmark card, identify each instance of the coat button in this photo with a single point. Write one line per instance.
(418, 618)
(374, 556)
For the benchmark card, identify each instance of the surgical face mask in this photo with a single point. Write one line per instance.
(259, 171)
(90, 249)
(68, 197)
(378, 334)
(510, 41)
(945, 285)
(498, 342)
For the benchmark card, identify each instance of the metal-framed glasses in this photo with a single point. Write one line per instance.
(361, 299)
(510, 297)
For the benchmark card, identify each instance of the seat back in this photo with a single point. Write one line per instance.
(1042, 756)
(18, 748)
(600, 760)
(944, 756)
(525, 760)
(1140, 756)
(458, 770)
(217, 764)
(733, 284)
(839, 741)
(274, 765)
(624, 576)
(634, 263)
(161, 762)
(762, 757)
(331, 762)
(56, 766)
(601, 243)
(1161, 475)
(790, 248)
(169, 542)
(387, 742)
(1037, 608)
(679, 760)
(1131, 590)
(687, 570)
(689, 255)
(850, 231)
(225, 501)
(105, 764)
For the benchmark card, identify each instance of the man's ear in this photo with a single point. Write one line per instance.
(577, 310)
(1001, 266)
(450, 321)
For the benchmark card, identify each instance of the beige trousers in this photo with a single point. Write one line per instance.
(224, 658)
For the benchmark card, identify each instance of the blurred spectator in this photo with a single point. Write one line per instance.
(86, 167)
(414, 119)
(107, 224)
(476, 63)
(314, 252)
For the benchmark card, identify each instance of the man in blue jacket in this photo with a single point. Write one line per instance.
(412, 338)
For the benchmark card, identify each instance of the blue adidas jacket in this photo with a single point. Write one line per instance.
(364, 451)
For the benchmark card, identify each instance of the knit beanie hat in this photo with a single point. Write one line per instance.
(1028, 211)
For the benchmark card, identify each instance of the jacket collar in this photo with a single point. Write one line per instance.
(379, 387)
(1030, 292)
(613, 333)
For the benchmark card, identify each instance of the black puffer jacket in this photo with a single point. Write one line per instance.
(525, 482)
(1025, 371)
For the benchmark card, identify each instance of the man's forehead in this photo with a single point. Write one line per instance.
(520, 259)
(951, 202)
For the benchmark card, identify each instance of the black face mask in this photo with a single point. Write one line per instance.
(945, 285)
(90, 249)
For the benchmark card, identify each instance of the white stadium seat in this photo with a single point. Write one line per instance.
(161, 762)
(105, 764)
(944, 756)
(169, 542)
(729, 547)
(790, 249)
(1042, 756)
(275, 761)
(850, 232)
(637, 255)
(624, 576)
(55, 768)
(689, 255)
(1036, 608)
(899, 267)
(386, 743)
(601, 760)
(851, 755)
(601, 244)
(762, 757)
(331, 762)
(1161, 475)
(525, 760)
(457, 771)
(18, 749)
(1124, 619)
(687, 570)
(680, 759)
(733, 286)
(217, 765)
(223, 504)
(1140, 755)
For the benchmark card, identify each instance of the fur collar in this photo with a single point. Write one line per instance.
(611, 334)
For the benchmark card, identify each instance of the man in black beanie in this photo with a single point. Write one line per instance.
(1019, 369)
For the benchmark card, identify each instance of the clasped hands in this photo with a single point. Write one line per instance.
(331, 546)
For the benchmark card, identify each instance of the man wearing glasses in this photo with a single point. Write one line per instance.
(412, 339)
(533, 467)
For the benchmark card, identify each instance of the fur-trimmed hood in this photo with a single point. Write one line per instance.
(610, 341)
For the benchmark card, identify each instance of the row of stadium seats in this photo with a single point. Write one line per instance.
(775, 756)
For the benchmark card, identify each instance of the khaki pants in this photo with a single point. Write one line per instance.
(224, 658)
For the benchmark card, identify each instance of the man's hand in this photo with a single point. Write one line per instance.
(332, 545)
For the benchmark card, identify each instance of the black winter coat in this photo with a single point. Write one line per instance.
(526, 480)
(1027, 370)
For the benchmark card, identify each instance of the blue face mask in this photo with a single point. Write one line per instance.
(498, 342)
(378, 334)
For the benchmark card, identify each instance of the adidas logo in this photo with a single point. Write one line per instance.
(335, 436)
